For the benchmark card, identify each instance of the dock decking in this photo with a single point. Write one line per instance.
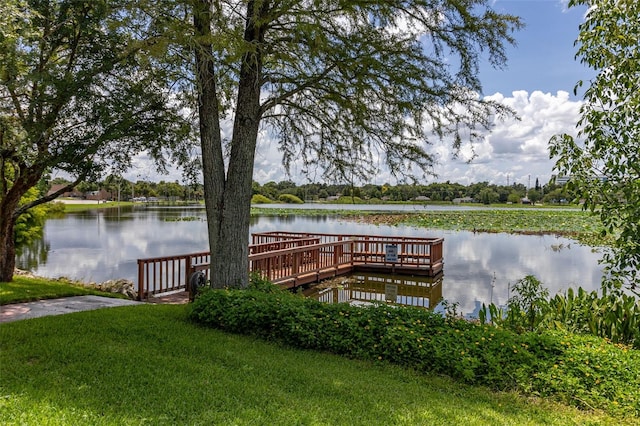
(293, 259)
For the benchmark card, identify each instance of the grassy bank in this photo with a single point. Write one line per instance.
(81, 207)
(24, 289)
(149, 365)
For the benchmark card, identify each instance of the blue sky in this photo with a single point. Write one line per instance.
(538, 83)
(544, 56)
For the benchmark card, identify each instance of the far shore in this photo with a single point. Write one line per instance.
(79, 201)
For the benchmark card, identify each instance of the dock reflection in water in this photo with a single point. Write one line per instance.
(365, 288)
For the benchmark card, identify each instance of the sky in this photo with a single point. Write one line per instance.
(538, 83)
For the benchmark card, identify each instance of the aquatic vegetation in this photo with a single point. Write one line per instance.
(576, 224)
(183, 219)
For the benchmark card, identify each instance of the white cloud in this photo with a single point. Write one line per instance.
(515, 150)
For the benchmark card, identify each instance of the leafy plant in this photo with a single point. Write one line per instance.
(260, 283)
(289, 199)
(526, 309)
(451, 309)
(260, 199)
(30, 224)
(614, 315)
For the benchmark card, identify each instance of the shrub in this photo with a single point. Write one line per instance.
(613, 315)
(290, 199)
(549, 363)
(526, 309)
(260, 199)
(29, 225)
(347, 199)
(54, 208)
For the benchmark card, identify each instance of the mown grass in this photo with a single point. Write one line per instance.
(24, 289)
(148, 364)
(81, 207)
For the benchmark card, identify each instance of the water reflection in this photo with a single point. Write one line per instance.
(367, 288)
(479, 268)
(33, 254)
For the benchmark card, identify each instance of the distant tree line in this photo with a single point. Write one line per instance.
(482, 192)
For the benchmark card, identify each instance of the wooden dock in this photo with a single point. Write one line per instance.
(293, 259)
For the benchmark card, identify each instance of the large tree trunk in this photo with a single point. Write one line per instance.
(9, 212)
(210, 139)
(228, 196)
(229, 247)
(7, 248)
(8, 206)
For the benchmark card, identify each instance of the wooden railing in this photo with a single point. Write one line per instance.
(281, 244)
(292, 259)
(304, 263)
(421, 252)
(165, 274)
(264, 237)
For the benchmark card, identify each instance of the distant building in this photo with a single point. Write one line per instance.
(463, 200)
(73, 193)
(98, 195)
(563, 180)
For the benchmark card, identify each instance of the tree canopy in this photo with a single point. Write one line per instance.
(79, 92)
(604, 161)
(344, 86)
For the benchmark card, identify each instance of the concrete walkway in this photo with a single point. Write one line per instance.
(41, 308)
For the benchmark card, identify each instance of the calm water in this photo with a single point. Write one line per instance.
(479, 268)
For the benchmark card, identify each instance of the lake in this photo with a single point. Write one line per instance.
(478, 267)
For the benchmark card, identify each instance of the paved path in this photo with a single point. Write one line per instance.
(41, 308)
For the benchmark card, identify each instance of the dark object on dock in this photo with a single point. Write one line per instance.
(197, 281)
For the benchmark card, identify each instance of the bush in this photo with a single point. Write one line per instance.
(549, 363)
(290, 199)
(29, 225)
(347, 199)
(260, 199)
(54, 208)
(613, 315)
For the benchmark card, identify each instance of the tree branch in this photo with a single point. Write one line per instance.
(49, 197)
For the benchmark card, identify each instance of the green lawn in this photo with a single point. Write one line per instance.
(23, 289)
(148, 365)
(81, 207)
